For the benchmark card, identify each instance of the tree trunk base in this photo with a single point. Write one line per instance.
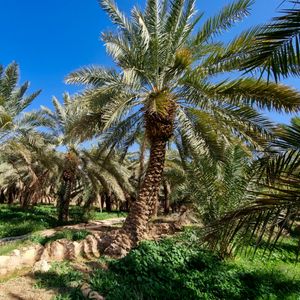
(120, 246)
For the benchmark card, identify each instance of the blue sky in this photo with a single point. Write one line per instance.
(51, 38)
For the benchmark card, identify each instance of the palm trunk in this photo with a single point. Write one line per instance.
(64, 202)
(108, 200)
(69, 179)
(159, 129)
(167, 191)
(142, 161)
(2, 197)
(141, 211)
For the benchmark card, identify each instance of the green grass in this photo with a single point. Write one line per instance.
(15, 221)
(8, 248)
(173, 270)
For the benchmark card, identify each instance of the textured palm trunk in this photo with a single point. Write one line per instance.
(159, 129)
(141, 210)
(69, 179)
(142, 161)
(64, 202)
(167, 191)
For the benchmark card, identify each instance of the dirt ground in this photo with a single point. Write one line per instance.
(22, 288)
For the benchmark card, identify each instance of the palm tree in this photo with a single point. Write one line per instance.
(13, 101)
(28, 169)
(273, 198)
(212, 187)
(89, 172)
(105, 175)
(163, 81)
(58, 122)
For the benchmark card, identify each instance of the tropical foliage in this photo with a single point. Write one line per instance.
(164, 86)
(163, 130)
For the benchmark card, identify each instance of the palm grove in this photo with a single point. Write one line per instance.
(169, 130)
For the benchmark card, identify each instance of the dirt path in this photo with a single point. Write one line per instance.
(22, 287)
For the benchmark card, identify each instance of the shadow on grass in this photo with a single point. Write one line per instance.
(63, 279)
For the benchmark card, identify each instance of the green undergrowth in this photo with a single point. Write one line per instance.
(17, 221)
(173, 270)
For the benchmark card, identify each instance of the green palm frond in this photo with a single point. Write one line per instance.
(276, 48)
(228, 16)
(273, 199)
(265, 95)
(115, 14)
(13, 101)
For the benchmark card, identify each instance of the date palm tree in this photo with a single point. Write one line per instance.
(83, 172)
(163, 81)
(273, 199)
(13, 102)
(58, 120)
(28, 169)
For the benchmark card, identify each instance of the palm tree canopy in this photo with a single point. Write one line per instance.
(13, 101)
(163, 56)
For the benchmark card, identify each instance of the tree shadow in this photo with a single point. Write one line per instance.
(61, 278)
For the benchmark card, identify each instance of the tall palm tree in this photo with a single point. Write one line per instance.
(58, 121)
(163, 81)
(89, 172)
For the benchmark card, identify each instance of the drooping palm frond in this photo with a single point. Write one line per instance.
(274, 202)
(30, 166)
(212, 188)
(276, 48)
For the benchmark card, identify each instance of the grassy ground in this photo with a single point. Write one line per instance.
(174, 270)
(15, 221)
(170, 269)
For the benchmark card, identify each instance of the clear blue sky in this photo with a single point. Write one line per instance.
(51, 38)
